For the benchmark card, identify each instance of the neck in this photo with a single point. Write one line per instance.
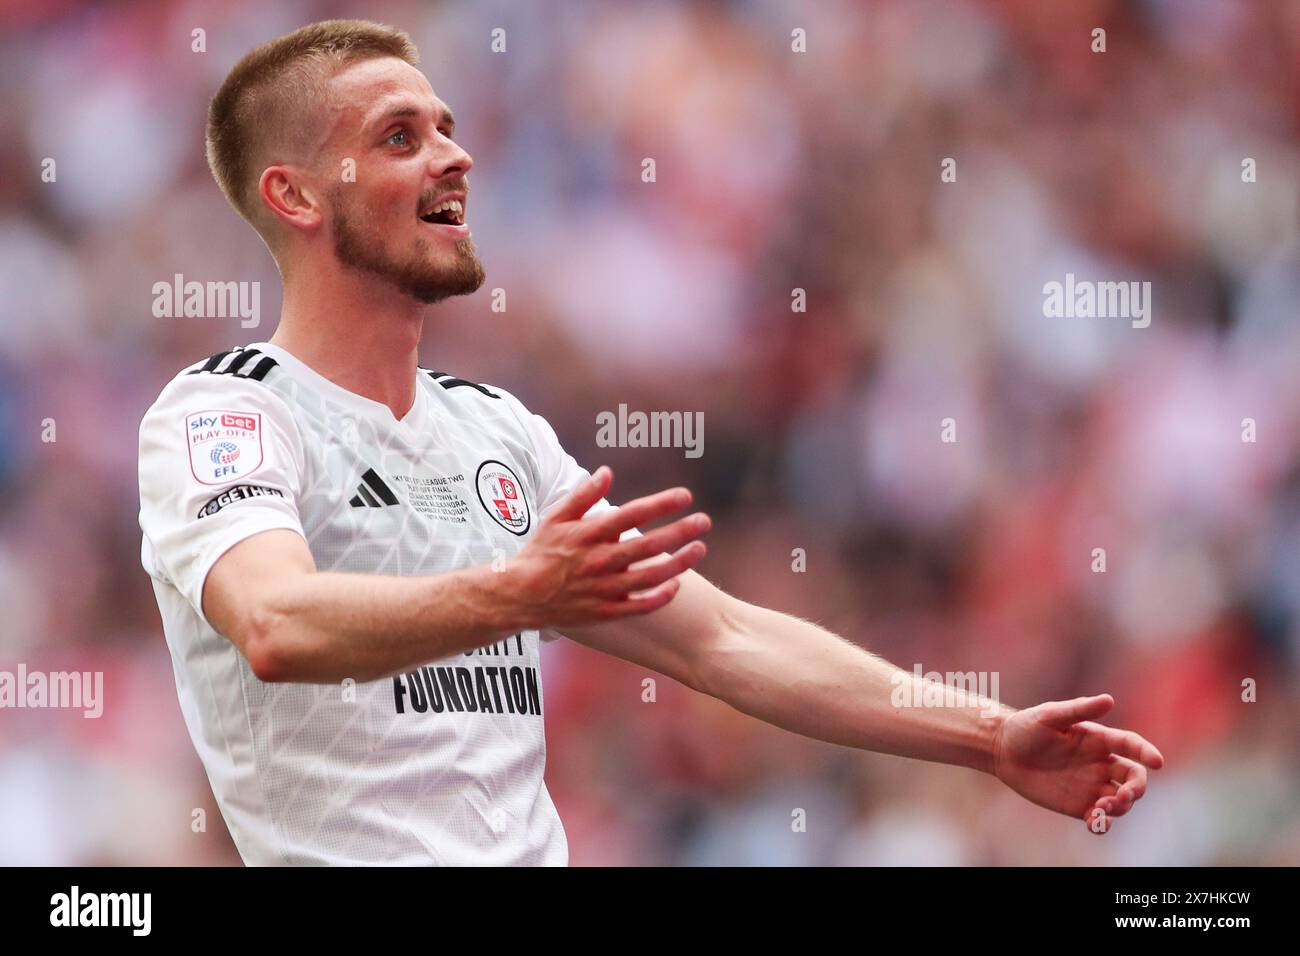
(362, 338)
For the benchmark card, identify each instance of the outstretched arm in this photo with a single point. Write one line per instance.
(803, 678)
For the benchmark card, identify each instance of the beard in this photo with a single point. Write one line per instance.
(423, 280)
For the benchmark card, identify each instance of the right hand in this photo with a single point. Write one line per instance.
(575, 571)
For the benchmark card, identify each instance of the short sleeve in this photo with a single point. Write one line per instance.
(221, 459)
(558, 473)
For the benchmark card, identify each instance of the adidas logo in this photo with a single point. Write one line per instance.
(372, 492)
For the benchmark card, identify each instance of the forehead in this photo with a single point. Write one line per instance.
(365, 92)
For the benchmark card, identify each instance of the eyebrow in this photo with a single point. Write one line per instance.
(404, 112)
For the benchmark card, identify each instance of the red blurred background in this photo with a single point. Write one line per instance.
(776, 170)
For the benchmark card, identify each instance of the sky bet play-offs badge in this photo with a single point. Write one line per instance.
(502, 495)
(223, 444)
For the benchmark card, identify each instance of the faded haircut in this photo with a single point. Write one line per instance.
(268, 105)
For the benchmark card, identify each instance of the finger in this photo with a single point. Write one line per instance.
(1064, 713)
(1106, 800)
(1127, 784)
(581, 498)
(1131, 777)
(1126, 743)
(649, 575)
(1118, 803)
(642, 603)
(611, 524)
(1098, 813)
(1116, 806)
(661, 540)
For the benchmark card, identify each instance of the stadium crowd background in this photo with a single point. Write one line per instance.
(776, 170)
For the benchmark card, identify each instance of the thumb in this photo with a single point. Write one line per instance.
(1065, 713)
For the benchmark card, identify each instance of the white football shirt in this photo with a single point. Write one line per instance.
(442, 765)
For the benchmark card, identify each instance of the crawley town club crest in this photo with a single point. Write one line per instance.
(502, 496)
(223, 444)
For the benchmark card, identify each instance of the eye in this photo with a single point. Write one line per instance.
(404, 141)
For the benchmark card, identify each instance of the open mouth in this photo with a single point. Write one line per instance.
(448, 212)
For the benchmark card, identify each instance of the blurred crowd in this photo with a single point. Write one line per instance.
(776, 170)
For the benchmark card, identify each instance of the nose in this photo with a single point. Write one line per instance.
(449, 159)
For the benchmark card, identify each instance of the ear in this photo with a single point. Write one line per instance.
(286, 192)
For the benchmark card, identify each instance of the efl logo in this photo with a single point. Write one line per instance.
(224, 445)
(239, 421)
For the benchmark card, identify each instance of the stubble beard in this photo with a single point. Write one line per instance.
(423, 280)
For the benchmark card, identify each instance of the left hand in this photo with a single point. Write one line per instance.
(1056, 756)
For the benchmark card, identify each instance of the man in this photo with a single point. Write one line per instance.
(356, 558)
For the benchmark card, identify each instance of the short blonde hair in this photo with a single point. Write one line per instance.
(265, 103)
